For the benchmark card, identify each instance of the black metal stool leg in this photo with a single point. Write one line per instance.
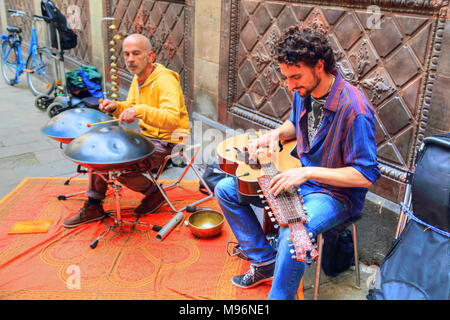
(318, 265)
(355, 251)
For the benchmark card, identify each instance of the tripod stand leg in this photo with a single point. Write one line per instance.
(65, 196)
(72, 177)
(94, 243)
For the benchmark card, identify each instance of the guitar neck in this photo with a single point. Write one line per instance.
(288, 200)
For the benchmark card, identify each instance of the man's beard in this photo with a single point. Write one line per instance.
(309, 91)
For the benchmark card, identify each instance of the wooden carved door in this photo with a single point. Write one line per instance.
(169, 25)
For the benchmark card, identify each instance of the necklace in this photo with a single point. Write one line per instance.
(331, 84)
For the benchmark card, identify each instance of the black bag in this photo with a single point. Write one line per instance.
(415, 268)
(417, 264)
(431, 182)
(337, 254)
(58, 23)
(212, 175)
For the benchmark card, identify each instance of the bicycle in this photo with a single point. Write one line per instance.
(39, 65)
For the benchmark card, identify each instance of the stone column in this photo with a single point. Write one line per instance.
(206, 57)
(3, 21)
(96, 15)
(41, 26)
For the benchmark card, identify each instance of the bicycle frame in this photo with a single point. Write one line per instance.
(33, 46)
(21, 63)
(20, 66)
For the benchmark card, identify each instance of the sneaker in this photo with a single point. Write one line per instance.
(89, 213)
(255, 276)
(150, 203)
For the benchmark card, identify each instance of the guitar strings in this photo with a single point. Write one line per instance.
(287, 204)
(271, 171)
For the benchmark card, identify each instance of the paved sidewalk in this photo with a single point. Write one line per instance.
(26, 152)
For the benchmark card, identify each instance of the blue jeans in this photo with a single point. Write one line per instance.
(325, 213)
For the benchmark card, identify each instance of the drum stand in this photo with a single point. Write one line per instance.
(110, 178)
(80, 171)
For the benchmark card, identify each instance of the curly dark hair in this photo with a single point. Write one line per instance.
(304, 45)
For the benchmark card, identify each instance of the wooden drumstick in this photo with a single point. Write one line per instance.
(103, 122)
(97, 123)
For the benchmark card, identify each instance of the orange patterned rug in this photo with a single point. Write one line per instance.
(126, 264)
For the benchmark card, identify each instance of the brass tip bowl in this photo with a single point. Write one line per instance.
(206, 223)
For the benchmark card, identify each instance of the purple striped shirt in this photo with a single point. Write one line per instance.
(346, 137)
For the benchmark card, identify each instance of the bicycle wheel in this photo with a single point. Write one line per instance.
(9, 63)
(41, 76)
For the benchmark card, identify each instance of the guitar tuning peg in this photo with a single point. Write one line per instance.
(294, 257)
(273, 220)
(288, 239)
(267, 208)
(264, 201)
(308, 257)
(290, 245)
(259, 191)
(261, 196)
(292, 251)
(276, 226)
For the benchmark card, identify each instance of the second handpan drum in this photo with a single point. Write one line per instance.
(72, 123)
(109, 148)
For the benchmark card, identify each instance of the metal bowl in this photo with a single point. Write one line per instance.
(206, 223)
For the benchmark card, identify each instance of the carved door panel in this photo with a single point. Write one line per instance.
(384, 50)
(169, 25)
(78, 19)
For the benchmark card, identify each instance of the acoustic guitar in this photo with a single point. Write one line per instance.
(234, 159)
(254, 178)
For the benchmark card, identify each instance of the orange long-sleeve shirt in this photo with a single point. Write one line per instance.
(159, 103)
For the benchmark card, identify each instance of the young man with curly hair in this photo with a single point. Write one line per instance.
(334, 126)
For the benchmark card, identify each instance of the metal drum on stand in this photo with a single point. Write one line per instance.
(111, 147)
(72, 123)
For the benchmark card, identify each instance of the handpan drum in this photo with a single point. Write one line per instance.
(110, 147)
(72, 123)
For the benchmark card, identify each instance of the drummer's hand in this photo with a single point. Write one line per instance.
(269, 140)
(107, 106)
(128, 115)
